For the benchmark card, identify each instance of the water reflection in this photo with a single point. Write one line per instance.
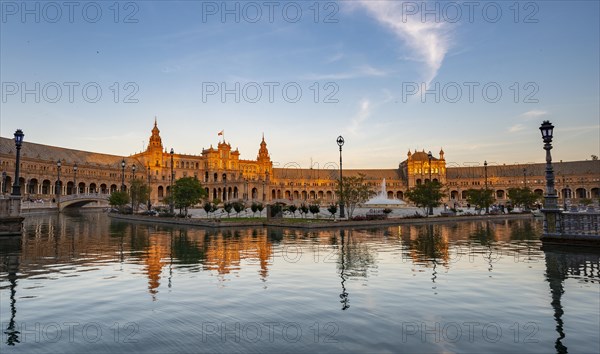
(158, 261)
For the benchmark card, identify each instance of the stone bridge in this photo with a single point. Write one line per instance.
(79, 200)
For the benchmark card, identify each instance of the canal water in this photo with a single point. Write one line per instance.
(83, 283)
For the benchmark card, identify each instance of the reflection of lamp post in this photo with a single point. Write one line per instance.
(487, 207)
(123, 175)
(340, 142)
(430, 156)
(58, 185)
(75, 179)
(18, 142)
(551, 212)
(171, 205)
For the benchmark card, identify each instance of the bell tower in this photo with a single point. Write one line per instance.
(155, 147)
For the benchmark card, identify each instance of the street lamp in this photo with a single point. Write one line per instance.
(171, 205)
(3, 182)
(340, 142)
(18, 142)
(149, 189)
(58, 184)
(525, 174)
(75, 179)
(551, 211)
(487, 207)
(132, 189)
(430, 156)
(123, 175)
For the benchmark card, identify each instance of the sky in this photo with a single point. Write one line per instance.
(474, 78)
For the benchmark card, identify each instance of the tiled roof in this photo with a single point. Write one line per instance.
(69, 156)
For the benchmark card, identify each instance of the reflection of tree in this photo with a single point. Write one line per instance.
(523, 230)
(187, 251)
(485, 236)
(429, 246)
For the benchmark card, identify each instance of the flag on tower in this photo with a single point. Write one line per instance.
(221, 133)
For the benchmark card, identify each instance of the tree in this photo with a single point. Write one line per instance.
(227, 207)
(354, 192)
(303, 210)
(238, 207)
(332, 209)
(260, 208)
(139, 192)
(208, 206)
(314, 209)
(254, 208)
(292, 208)
(481, 198)
(524, 197)
(118, 199)
(428, 195)
(187, 191)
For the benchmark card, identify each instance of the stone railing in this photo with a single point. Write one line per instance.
(581, 223)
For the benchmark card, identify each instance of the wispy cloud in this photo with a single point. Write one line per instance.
(358, 72)
(533, 114)
(516, 128)
(429, 40)
(363, 114)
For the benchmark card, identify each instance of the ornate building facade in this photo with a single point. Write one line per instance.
(226, 176)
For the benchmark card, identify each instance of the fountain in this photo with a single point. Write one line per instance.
(381, 199)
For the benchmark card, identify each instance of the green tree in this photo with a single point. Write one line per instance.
(314, 209)
(207, 208)
(524, 197)
(187, 192)
(481, 198)
(354, 192)
(227, 207)
(140, 192)
(426, 195)
(332, 209)
(254, 208)
(303, 210)
(238, 207)
(118, 199)
(292, 208)
(260, 208)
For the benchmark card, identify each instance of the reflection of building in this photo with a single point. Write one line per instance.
(226, 176)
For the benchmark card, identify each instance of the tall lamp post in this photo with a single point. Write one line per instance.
(487, 207)
(123, 175)
(149, 189)
(171, 205)
(340, 142)
(18, 142)
(551, 211)
(430, 156)
(525, 173)
(58, 184)
(132, 190)
(75, 179)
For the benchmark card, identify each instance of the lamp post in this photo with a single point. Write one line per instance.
(149, 189)
(246, 194)
(487, 207)
(58, 185)
(75, 179)
(123, 175)
(3, 182)
(18, 142)
(171, 205)
(132, 191)
(430, 156)
(551, 211)
(340, 142)
(525, 176)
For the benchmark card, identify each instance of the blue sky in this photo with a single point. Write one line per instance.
(361, 67)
